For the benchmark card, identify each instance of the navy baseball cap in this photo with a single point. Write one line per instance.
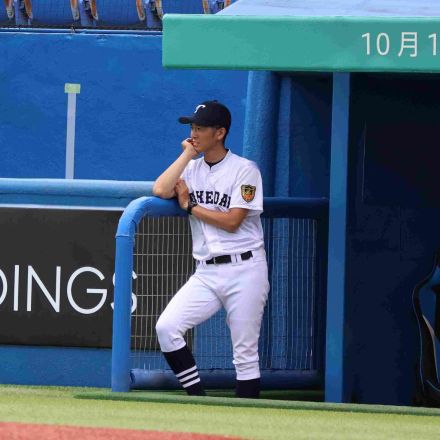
(209, 114)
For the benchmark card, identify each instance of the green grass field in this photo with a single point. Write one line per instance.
(263, 419)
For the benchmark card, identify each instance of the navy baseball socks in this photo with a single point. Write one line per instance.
(249, 389)
(184, 367)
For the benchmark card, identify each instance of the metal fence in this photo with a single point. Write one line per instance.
(291, 341)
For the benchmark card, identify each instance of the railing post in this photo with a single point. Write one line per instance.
(122, 314)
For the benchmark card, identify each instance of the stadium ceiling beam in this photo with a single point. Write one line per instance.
(302, 43)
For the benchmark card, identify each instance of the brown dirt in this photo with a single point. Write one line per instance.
(24, 431)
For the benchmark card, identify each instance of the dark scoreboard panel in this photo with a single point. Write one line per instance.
(56, 276)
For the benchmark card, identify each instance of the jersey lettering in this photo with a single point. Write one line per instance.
(216, 197)
(199, 195)
(192, 198)
(210, 198)
(224, 201)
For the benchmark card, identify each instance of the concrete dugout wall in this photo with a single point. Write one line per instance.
(126, 112)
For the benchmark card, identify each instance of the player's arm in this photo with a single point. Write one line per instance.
(164, 186)
(229, 221)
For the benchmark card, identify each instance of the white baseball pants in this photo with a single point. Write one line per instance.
(241, 287)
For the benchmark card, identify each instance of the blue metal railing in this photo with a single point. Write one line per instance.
(69, 192)
(274, 207)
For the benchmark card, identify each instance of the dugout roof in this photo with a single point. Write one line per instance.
(312, 35)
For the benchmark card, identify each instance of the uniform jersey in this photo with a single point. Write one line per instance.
(234, 182)
(241, 286)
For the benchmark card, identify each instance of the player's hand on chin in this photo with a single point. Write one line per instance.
(189, 148)
(182, 193)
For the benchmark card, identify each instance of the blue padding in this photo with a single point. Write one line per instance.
(285, 149)
(292, 114)
(60, 192)
(24, 365)
(261, 125)
(220, 379)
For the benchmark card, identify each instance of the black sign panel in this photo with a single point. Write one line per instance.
(56, 276)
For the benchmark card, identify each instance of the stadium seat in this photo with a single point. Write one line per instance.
(154, 14)
(7, 13)
(181, 7)
(120, 13)
(40, 13)
(23, 12)
(85, 14)
(161, 7)
(426, 302)
(218, 5)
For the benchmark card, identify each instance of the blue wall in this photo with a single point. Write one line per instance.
(126, 129)
(59, 366)
(126, 125)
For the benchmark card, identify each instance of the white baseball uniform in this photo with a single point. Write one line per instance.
(241, 286)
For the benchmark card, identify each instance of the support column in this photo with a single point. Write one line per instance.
(335, 380)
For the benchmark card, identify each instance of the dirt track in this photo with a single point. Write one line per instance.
(24, 431)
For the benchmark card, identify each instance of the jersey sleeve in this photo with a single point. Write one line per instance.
(248, 190)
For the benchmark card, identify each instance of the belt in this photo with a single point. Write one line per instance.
(222, 259)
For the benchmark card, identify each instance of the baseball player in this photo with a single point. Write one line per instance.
(223, 195)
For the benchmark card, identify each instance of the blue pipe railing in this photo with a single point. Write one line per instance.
(131, 217)
(155, 207)
(72, 192)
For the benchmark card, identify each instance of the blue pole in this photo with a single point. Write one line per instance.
(122, 314)
(335, 379)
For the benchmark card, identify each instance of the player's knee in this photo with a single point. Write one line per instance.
(163, 329)
(166, 333)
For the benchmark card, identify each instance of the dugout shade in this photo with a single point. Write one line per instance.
(343, 103)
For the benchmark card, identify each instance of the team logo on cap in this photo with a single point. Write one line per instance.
(199, 107)
(248, 192)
